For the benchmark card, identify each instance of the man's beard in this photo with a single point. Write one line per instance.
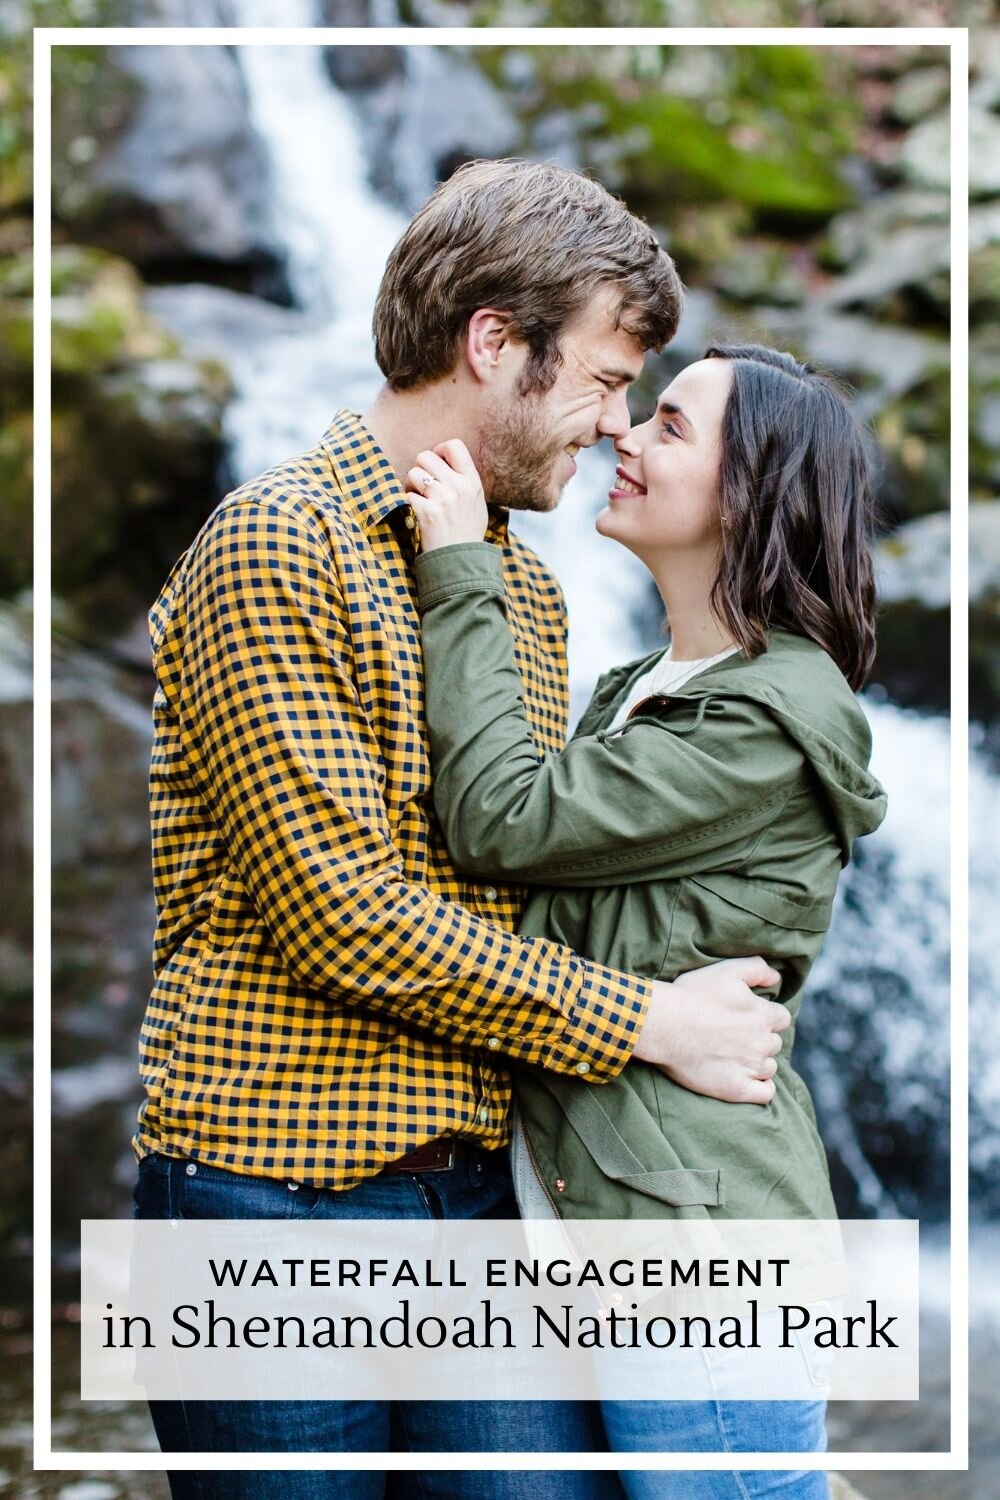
(517, 457)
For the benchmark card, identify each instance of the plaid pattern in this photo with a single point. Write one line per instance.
(329, 992)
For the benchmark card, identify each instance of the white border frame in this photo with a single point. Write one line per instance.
(957, 41)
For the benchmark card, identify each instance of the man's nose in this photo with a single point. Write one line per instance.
(614, 420)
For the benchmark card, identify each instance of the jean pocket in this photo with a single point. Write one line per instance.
(206, 1192)
(818, 1361)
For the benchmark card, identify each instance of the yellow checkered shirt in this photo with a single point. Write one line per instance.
(329, 991)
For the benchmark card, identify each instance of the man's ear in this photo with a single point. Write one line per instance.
(488, 343)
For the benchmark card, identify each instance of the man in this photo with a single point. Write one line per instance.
(335, 1005)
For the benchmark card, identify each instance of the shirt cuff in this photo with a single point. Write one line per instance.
(464, 567)
(603, 1027)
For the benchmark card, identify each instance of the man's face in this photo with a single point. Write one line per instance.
(527, 443)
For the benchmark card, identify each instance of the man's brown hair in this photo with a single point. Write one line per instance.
(529, 239)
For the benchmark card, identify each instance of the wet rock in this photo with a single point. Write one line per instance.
(136, 436)
(840, 1489)
(924, 156)
(984, 265)
(913, 563)
(411, 143)
(984, 153)
(101, 736)
(764, 272)
(155, 158)
(884, 361)
(16, 834)
(16, 432)
(89, 1489)
(914, 259)
(213, 322)
(352, 68)
(984, 551)
(919, 93)
(854, 235)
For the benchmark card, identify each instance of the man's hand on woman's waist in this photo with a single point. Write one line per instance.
(709, 1032)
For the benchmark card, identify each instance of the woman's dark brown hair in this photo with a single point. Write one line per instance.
(795, 494)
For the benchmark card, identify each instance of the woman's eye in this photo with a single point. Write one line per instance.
(669, 427)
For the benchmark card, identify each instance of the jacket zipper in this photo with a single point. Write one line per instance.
(534, 1167)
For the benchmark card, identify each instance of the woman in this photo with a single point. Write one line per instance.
(703, 810)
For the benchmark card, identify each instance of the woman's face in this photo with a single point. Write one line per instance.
(666, 492)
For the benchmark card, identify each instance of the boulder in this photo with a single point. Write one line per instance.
(913, 563)
(984, 153)
(155, 158)
(215, 323)
(924, 157)
(914, 259)
(101, 737)
(857, 234)
(16, 799)
(137, 440)
(410, 142)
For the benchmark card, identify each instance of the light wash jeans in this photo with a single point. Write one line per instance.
(720, 1424)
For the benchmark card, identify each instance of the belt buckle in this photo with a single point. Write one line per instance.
(445, 1166)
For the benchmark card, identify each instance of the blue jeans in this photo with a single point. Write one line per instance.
(720, 1427)
(477, 1187)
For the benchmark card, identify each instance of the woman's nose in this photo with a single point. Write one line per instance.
(627, 444)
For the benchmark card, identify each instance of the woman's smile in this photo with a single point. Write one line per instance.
(626, 488)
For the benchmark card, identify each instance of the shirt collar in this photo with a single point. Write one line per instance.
(365, 476)
(368, 481)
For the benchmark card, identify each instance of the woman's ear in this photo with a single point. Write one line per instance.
(488, 343)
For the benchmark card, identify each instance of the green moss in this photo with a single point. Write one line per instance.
(15, 506)
(765, 132)
(984, 282)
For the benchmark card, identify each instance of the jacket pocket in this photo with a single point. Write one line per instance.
(807, 914)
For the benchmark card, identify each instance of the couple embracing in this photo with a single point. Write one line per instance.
(407, 935)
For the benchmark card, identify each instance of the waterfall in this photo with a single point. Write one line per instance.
(881, 985)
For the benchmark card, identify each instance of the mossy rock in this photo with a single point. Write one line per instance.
(137, 441)
(663, 143)
(98, 320)
(914, 434)
(16, 505)
(15, 424)
(984, 282)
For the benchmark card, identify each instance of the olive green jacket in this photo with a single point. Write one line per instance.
(713, 824)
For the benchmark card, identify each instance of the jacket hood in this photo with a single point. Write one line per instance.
(805, 691)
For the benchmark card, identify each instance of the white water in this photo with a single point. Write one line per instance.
(338, 237)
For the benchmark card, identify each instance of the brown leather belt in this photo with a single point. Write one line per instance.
(433, 1156)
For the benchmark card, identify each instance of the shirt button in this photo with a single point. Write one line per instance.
(484, 1113)
(493, 1042)
(490, 893)
(560, 1185)
(293, 1187)
(583, 1067)
(411, 520)
(190, 1169)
